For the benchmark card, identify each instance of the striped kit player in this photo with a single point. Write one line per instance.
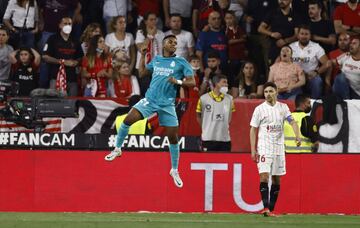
(268, 121)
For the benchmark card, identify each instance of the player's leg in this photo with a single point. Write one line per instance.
(140, 110)
(168, 119)
(279, 169)
(264, 166)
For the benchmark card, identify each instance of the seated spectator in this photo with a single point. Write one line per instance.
(185, 40)
(343, 47)
(61, 47)
(90, 31)
(311, 57)
(347, 18)
(96, 68)
(123, 84)
(214, 39)
(22, 17)
(121, 42)
(248, 83)
(198, 75)
(5, 51)
(213, 63)
(347, 84)
(237, 52)
(25, 68)
(287, 76)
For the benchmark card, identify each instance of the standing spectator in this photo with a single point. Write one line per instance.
(287, 76)
(119, 40)
(200, 14)
(185, 40)
(182, 8)
(258, 44)
(61, 46)
(248, 84)
(238, 7)
(347, 84)
(214, 39)
(213, 113)
(25, 68)
(115, 8)
(322, 30)
(343, 46)
(3, 6)
(146, 7)
(347, 18)
(123, 84)
(24, 16)
(90, 31)
(96, 65)
(92, 11)
(267, 123)
(312, 59)
(51, 13)
(237, 51)
(308, 128)
(150, 37)
(5, 51)
(281, 26)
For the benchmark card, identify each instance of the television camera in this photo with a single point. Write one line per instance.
(30, 111)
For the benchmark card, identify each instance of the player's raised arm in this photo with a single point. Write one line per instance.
(142, 69)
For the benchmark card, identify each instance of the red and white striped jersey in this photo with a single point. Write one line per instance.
(270, 122)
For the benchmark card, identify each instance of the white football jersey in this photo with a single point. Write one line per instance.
(351, 69)
(270, 123)
(308, 57)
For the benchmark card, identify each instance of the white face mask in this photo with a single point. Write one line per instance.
(195, 68)
(99, 50)
(224, 90)
(67, 29)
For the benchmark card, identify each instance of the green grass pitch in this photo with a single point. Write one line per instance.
(171, 220)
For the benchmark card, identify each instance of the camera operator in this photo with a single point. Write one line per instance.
(25, 69)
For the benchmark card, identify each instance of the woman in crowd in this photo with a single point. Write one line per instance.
(90, 31)
(21, 18)
(121, 43)
(25, 64)
(248, 84)
(288, 76)
(96, 68)
(123, 84)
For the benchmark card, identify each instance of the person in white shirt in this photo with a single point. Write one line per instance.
(113, 8)
(311, 57)
(120, 41)
(347, 84)
(185, 39)
(268, 121)
(21, 18)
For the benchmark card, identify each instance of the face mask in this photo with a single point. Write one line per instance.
(99, 50)
(195, 68)
(224, 90)
(67, 29)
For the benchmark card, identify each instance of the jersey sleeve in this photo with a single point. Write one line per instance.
(255, 119)
(198, 106)
(187, 70)
(287, 114)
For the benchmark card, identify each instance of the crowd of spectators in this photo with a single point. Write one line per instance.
(300, 45)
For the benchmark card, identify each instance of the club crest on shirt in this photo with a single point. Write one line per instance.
(172, 64)
(208, 108)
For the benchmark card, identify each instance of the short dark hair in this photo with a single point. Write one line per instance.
(300, 99)
(169, 36)
(4, 28)
(193, 57)
(213, 54)
(305, 27)
(175, 15)
(315, 2)
(270, 84)
(217, 78)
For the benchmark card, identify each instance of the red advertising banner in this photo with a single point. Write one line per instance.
(81, 181)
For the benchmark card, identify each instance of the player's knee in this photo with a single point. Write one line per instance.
(264, 177)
